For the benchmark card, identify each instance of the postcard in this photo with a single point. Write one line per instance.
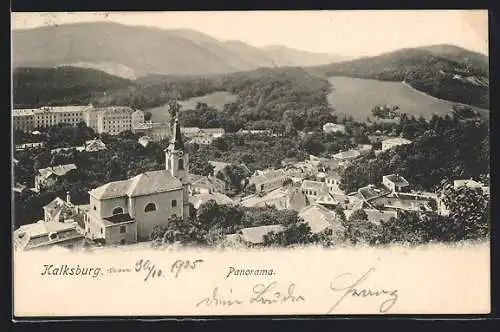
(250, 163)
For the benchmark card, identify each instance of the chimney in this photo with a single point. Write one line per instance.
(68, 198)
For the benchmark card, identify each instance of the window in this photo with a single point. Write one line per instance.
(95, 208)
(181, 164)
(261, 187)
(123, 229)
(117, 210)
(150, 207)
(174, 203)
(102, 230)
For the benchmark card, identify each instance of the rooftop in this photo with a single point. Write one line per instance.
(467, 183)
(398, 180)
(37, 234)
(143, 184)
(255, 235)
(317, 185)
(219, 198)
(350, 154)
(319, 218)
(371, 192)
(118, 219)
(397, 140)
(56, 170)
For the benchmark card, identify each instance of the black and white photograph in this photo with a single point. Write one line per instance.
(266, 157)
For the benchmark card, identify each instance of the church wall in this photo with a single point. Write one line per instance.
(104, 208)
(164, 210)
(115, 236)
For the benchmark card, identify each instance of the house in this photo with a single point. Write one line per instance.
(319, 218)
(326, 199)
(255, 235)
(26, 146)
(202, 139)
(94, 145)
(48, 234)
(19, 188)
(374, 215)
(333, 128)
(313, 189)
(220, 199)
(364, 149)
(57, 210)
(346, 155)
(395, 183)
(371, 192)
(205, 185)
(268, 180)
(123, 211)
(405, 203)
(47, 177)
(281, 198)
(190, 131)
(332, 180)
(214, 132)
(72, 148)
(144, 140)
(393, 142)
(266, 132)
(466, 183)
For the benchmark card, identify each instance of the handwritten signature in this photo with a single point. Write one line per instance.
(261, 293)
(344, 283)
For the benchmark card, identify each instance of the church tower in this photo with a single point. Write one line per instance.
(177, 163)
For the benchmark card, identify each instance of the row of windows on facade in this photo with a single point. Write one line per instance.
(148, 208)
(310, 192)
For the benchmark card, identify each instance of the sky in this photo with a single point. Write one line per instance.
(347, 32)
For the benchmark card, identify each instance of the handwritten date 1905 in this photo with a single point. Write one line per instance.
(153, 271)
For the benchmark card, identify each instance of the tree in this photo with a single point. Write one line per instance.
(236, 176)
(178, 230)
(469, 212)
(293, 234)
(199, 164)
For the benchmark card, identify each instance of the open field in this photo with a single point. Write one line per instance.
(216, 100)
(357, 97)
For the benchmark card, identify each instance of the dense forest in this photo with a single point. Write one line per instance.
(35, 87)
(458, 81)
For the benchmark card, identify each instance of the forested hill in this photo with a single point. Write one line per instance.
(442, 71)
(34, 87)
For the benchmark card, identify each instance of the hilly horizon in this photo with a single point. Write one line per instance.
(443, 71)
(134, 51)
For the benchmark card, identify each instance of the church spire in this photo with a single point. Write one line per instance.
(176, 143)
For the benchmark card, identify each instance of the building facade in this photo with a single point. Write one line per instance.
(126, 211)
(47, 116)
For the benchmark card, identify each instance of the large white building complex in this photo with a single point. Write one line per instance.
(111, 120)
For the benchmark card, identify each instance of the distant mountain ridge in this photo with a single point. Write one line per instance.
(133, 51)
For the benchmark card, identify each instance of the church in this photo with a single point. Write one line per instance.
(126, 211)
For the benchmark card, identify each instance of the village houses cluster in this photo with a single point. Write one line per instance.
(125, 212)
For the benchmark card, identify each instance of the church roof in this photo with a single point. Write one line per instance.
(143, 184)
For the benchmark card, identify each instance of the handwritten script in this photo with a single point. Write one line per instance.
(260, 294)
(347, 285)
(152, 271)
